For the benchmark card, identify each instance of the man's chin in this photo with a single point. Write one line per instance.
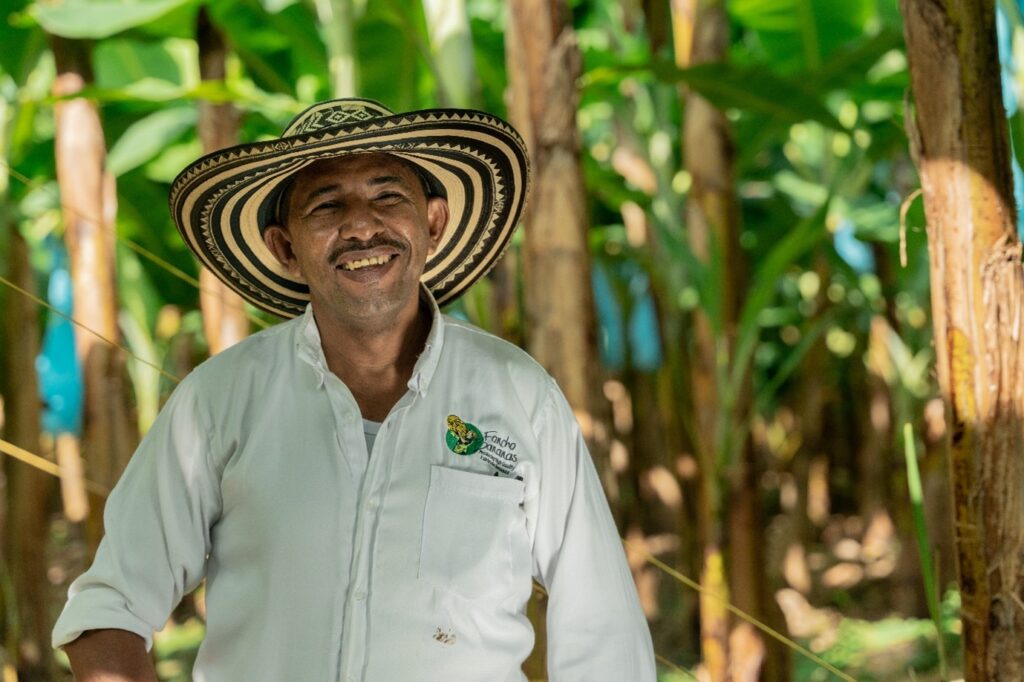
(376, 306)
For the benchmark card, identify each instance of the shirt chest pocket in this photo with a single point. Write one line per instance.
(474, 534)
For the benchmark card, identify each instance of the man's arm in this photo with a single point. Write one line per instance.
(157, 522)
(596, 629)
(110, 656)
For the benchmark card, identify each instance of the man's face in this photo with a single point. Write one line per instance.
(359, 229)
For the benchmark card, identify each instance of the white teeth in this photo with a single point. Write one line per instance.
(363, 262)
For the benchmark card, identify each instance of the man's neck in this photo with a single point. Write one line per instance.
(374, 361)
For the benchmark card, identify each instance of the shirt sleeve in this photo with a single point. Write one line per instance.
(596, 628)
(157, 522)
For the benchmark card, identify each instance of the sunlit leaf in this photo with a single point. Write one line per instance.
(275, 6)
(119, 62)
(277, 49)
(763, 287)
(401, 25)
(849, 64)
(21, 44)
(146, 138)
(730, 86)
(791, 362)
(399, 90)
(99, 18)
(800, 35)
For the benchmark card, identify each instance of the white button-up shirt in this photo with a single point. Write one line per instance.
(327, 562)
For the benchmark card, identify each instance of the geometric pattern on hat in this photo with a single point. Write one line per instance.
(222, 202)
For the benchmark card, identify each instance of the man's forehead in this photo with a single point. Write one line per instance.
(350, 172)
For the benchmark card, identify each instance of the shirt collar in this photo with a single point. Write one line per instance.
(310, 348)
(426, 365)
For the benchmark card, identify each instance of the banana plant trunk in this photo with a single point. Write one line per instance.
(88, 199)
(224, 319)
(959, 135)
(730, 498)
(29, 492)
(543, 63)
(458, 84)
(730, 506)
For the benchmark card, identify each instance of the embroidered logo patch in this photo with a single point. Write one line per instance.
(500, 452)
(462, 437)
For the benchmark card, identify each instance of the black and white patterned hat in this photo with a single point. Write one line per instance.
(223, 202)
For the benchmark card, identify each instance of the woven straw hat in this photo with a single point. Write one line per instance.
(223, 202)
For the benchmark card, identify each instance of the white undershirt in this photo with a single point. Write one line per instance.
(370, 430)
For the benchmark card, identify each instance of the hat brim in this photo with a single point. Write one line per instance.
(222, 202)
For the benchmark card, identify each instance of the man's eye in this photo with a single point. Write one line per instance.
(326, 205)
(390, 197)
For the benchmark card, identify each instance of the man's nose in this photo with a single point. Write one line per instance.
(359, 221)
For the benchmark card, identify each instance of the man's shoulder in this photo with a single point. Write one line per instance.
(255, 354)
(471, 342)
(478, 358)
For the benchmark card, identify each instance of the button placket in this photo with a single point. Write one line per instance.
(374, 482)
(353, 631)
(357, 610)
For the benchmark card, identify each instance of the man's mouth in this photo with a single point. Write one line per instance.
(366, 262)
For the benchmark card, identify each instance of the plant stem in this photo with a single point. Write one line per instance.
(923, 547)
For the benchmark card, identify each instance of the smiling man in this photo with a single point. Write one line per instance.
(370, 489)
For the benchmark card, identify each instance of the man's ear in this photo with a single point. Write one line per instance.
(437, 220)
(279, 242)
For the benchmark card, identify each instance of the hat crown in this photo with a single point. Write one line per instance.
(333, 113)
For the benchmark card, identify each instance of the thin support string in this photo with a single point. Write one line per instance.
(768, 630)
(45, 465)
(142, 251)
(89, 329)
(185, 277)
(673, 667)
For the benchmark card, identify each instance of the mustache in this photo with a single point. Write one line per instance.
(372, 243)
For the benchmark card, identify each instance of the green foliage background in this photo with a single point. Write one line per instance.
(814, 91)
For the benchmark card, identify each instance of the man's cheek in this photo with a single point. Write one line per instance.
(296, 270)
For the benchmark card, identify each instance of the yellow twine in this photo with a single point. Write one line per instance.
(92, 331)
(185, 277)
(768, 630)
(672, 666)
(44, 465)
(142, 251)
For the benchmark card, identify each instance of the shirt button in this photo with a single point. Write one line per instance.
(360, 594)
(372, 503)
(350, 679)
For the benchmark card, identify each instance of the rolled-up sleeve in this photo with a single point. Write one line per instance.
(596, 628)
(157, 529)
